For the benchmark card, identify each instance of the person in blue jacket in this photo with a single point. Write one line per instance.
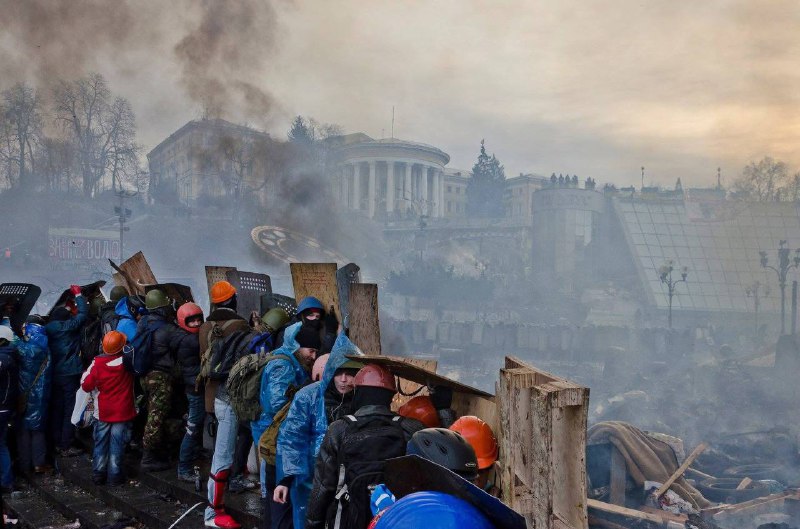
(8, 399)
(64, 338)
(126, 321)
(35, 374)
(300, 345)
(301, 434)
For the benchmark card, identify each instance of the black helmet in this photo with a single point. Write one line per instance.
(135, 304)
(446, 448)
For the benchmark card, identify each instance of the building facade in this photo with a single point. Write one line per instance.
(389, 178)
(204, 160)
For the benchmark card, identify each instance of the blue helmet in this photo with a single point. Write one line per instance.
(432, 509)
(309, 302)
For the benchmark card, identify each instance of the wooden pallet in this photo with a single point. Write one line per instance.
(543, 446)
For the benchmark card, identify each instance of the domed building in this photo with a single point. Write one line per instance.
(389, 178)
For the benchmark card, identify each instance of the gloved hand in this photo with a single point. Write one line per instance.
(75, 289)
(380, 499)
(442, 397)
(331, 321)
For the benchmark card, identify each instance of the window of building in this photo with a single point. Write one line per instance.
(449, 189)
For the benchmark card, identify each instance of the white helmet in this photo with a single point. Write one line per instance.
(6, 333)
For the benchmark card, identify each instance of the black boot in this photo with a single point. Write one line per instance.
(152, 463)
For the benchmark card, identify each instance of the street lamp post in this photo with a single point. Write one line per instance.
(754, 291)
(784, 265)
(665, 274)
(123, 214)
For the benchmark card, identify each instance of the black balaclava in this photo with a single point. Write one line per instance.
(371, 396)
(314, 324)
(308, 337)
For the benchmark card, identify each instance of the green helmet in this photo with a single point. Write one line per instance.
(118, 292)
(275, 318)
(155, 299)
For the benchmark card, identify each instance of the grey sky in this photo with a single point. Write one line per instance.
(594, 88)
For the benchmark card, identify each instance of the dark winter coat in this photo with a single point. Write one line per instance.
(9, 380)
(160, 353)
(64, 340)
(186, 348)
(326, 470)
(33, 354)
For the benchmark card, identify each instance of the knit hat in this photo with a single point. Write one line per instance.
(308, 337)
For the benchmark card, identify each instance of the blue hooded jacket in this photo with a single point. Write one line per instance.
(65, 341)
(304, 428)
(127, 323)
(33, 353)
(276, 378)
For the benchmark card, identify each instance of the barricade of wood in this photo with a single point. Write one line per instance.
(543, 446)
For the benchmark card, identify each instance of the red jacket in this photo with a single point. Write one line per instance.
(114, 384)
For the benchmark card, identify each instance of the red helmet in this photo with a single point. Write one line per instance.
(114, 342)
(421, 408)
(375, 376)
(189, 311)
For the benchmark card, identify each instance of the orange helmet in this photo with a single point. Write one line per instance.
(375, 376)
(114, 342)
(480, 436)
(222, 291)
(319, 367)
(421, 408)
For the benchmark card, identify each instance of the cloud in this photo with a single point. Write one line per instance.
(597, 89)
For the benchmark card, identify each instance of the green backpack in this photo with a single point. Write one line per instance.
(244, 384)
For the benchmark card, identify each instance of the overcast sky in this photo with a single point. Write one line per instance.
(595, 88)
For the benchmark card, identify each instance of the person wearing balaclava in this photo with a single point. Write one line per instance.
(278, 380)
(314, 407)
(311, 313)
(360, 443)
(64, 339)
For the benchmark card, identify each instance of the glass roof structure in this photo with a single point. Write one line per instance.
(718, 241)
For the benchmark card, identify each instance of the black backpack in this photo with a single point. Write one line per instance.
(91, 341)
(366, 445)
(226, 352)
(139, 357)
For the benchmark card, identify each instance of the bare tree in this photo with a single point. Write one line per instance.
(765, 181)
(102, 128)
(21, 131)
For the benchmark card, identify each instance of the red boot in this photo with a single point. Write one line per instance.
(221, 519)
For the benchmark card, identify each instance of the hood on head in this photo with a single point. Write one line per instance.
(341, 348)
(121, 308)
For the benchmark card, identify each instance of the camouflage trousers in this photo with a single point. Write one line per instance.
(158, 387)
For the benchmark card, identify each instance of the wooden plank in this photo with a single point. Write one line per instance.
(679, 518)
(744, 483)
(318, 280)
(215, 274)
(365, 329)
(349, 273)
(617, 478)
(681, 469)
(405, 367)
(135, 273)
(608, 508)
(483, 407)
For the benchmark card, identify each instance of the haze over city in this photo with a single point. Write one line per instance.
(596, 89)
